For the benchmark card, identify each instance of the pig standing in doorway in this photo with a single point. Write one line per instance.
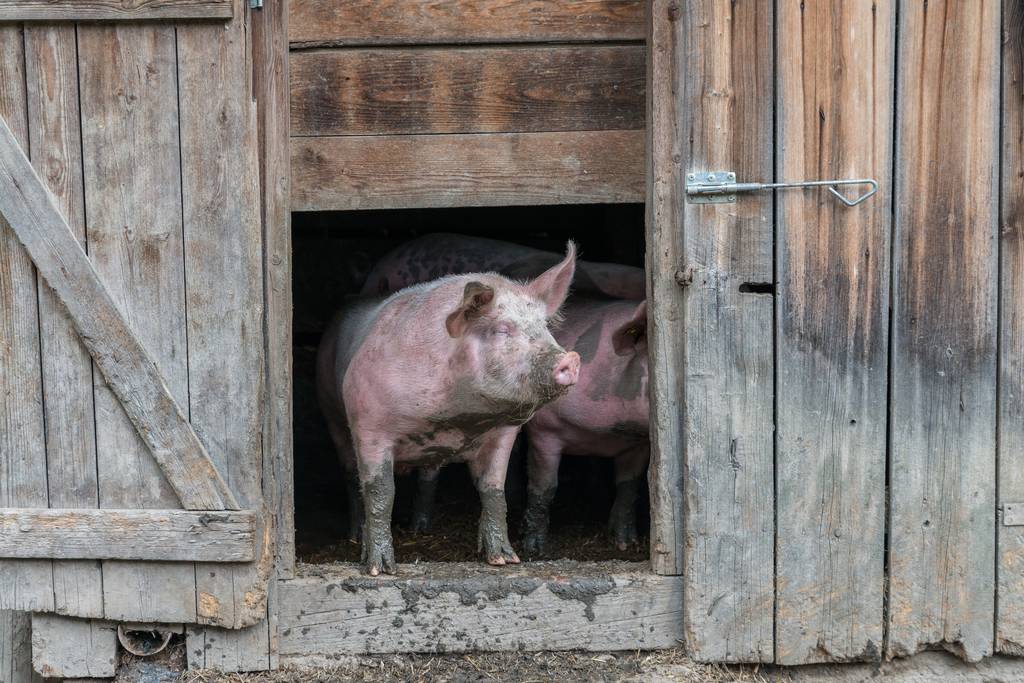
(438, 372)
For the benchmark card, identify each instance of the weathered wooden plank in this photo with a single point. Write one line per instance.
(437, 608)
(73, 648)
(270, 84)
(224, 289)
(113, 10)
(943, 410)
(347, 22)
(833, 120)
(165, 535)
(1010, 551)
(419, 171)
(467, 90)
(133, 215)
(715, 71)
(23, 585)
(51, 62)
(664, 229)
(226, 650)
(16, 647)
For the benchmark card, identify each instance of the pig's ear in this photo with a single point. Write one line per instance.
(552, 286)
(632, 335)
(477, 299)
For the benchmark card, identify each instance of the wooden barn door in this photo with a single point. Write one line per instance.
(825, 392)
(131, 319)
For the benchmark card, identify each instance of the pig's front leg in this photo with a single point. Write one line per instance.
(629, 470)
(423, 502)
(377, 481)
(488, 469)
(543, 458)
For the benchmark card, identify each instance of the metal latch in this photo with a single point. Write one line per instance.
(720, 187)
(255, 4)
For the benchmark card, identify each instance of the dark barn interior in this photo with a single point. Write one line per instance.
(333, 253)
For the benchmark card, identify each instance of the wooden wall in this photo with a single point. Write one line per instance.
(466, 103)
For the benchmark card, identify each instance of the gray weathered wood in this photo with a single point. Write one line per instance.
(833, 120)
(23, 585)
(943, 409)
(499, 169)
(51, 62)
(224, 289)
(441, 608)
(347, 22)
(112, 10)
(133, 216)
(16, 647)
(1010, 572)
(716, 76)
(63, 647)
(167, 535)
(664, 229)
(467, 90)
(270, 84)
(228, 651)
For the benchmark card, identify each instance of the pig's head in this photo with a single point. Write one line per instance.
(629, 341)
(506, 359)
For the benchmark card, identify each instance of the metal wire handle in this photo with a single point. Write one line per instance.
(718, 187)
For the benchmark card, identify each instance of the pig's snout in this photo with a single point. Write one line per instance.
(567, 370)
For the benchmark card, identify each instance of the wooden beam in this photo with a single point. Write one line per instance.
(943, 408)
(436, 607)
(133, 376)
(501, 169)
(113, 10)
(458, 90)
(164, 535)
(347, 22)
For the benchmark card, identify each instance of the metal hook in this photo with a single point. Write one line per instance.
(720, 187)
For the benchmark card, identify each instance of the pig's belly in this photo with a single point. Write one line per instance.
(604, 442)
(433, 449)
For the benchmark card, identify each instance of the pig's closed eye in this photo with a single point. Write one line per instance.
(504, 329)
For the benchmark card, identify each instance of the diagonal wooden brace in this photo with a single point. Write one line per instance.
(131, 373)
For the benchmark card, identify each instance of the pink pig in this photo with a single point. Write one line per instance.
(606, 414)
(444, 371)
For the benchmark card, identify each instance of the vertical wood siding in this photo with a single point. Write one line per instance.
(834, 120)
(943, 409)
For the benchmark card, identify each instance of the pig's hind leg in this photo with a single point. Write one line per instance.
(629, 470)
(377, 483)
(488, 468)
(423, 501)
(347, 456)
(543, 458)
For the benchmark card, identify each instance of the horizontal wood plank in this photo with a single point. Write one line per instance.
(130, 371)
(454, 608)
(459, 90)
(418, 171)
(113, 10)
(165, 535)
(347, 22)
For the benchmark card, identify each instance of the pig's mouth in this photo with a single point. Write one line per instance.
(541, 378)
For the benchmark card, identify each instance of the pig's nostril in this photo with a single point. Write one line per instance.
(568, 369)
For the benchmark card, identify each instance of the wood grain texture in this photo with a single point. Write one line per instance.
(224, 289)
(228, 651)
(663, 237)
(133, 213)
(943, 409)
(411, 171)
(73, 648)
(346, 22)
(722, 78)
(270, 84)
(55, 140)
(163, 535)
(16, 648)
(23, 585)
(113, 10)
(467, 90)
(1010, 551)
(834, 120)
(428, 609)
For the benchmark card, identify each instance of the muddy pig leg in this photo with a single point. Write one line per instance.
(488, 469)
(629, 471)
(543, 457)
(347, 456)
(377, 483)
(423, 502)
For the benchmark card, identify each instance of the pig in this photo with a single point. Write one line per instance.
(444, 371)
(432, 256)
(606, 414)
